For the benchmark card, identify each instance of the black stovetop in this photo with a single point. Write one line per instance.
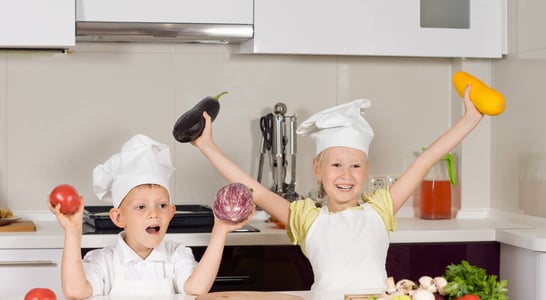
(189, 218)
(89, 229)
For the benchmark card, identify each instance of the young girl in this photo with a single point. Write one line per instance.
(142, 262)
(347, 240)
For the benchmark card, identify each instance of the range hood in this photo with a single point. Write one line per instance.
(184, 21)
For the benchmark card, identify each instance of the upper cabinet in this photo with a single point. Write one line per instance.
(166, 11)
(171, 21)
(429, 28)
(37, 24)
(433, 28)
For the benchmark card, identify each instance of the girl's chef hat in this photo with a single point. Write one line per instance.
(141, 161)
(342, 125)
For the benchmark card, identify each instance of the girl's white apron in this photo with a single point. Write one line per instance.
(348, 250)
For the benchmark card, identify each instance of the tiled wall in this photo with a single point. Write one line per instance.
(61, 115)
(519, 135)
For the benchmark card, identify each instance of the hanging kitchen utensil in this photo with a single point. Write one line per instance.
(292, 142)
(277, 135)
(278, 151)
(266, 127)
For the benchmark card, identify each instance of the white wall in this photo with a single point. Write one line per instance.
(518, 136)
(61, 115)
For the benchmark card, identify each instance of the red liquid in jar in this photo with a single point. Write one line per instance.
(435, 199)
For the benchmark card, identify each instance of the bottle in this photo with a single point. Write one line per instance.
(435, 191)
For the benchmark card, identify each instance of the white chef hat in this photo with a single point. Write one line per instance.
(342, 125)
(141, 161)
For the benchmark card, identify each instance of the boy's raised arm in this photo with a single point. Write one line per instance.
(73, 280)
(202, 278)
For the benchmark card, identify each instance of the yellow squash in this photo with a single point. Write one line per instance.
(487, 100)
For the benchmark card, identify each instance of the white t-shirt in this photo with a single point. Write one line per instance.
(99, 267)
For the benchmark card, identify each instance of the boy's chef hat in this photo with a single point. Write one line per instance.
(141, 161)
(342, 125)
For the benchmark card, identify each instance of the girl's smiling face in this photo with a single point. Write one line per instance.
(144, 214)
(343, 172)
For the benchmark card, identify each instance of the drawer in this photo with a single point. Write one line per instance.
(24, 269)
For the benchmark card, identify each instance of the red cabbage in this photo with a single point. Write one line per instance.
(233, 203)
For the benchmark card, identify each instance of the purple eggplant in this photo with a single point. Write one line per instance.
(190, 125)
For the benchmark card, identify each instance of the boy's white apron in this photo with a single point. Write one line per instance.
(348, 250)
(127, 287)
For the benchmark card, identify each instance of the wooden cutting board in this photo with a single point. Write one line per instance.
(19, 226)
(244, 295)
(360, 297)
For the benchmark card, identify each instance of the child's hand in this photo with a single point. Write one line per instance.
(229, 227)
(206, 135)
(68, 222)
(469, 106)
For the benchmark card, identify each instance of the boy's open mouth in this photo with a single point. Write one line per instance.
(152, 229)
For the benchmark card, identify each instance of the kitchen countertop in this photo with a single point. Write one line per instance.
(306, 295)
(513, 229)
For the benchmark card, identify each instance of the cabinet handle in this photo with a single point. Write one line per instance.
(16, 263)
(232, 279)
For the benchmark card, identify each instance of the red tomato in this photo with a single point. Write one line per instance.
(40, 294)
(67, 196)
(468, 297)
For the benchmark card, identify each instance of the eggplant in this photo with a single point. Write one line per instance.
(190, 124)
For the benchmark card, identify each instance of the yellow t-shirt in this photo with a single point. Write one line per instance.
(304, 212)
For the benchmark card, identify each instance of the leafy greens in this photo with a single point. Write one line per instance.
(465, 278)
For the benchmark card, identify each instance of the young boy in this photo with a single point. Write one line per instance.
(142, 262)
(347, 240)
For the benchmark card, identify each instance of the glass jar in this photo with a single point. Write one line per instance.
(435, 191)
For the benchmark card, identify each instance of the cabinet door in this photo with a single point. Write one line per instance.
(261, 268)
(378, 27)
(169, 11)
(413, 260)
(525, 271)
(37, 23)
(24, 269)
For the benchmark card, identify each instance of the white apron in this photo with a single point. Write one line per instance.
(348, 250)
(126, 287)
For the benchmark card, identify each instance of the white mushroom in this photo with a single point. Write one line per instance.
(405, 286)
(440, 282)
(422, 294)
(427, 283)
(391, 287)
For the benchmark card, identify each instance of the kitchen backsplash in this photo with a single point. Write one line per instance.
(532, 184)
(61, 115)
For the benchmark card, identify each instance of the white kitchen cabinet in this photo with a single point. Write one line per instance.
(525, 271)
(166, 11)
(24, 269)
(380, 28)
(37, 24)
